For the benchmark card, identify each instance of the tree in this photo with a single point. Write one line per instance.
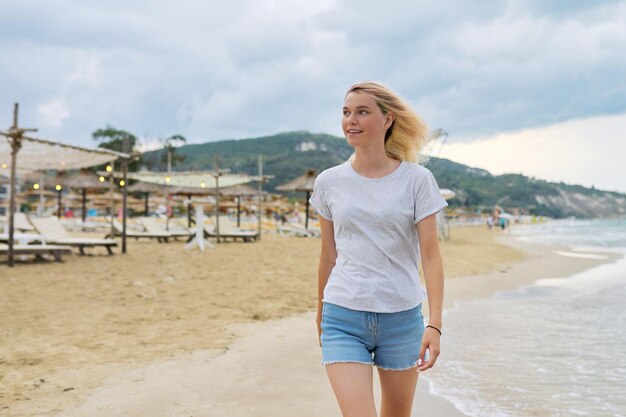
(169, 145)
(113, 139)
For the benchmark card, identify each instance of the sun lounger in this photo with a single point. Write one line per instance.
(86, 226)
(37, 250)
(229, 231)
(20, 223)
(297, 230)
(151, 225)
(23, 238)
(117, 231)
(54, 233)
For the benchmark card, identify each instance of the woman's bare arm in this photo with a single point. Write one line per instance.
(433, 275)
(328, 257)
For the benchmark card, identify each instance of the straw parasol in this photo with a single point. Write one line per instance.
(146, 188)
(191, 191)
(241, 190)
(85, 180)
(302, 183)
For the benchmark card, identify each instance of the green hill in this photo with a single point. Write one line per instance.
(288, 155)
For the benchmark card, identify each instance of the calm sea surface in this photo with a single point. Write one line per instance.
(555, 348)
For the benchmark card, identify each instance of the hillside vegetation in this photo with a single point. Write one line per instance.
(288, 155)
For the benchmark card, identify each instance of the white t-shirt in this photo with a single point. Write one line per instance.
(377, 246)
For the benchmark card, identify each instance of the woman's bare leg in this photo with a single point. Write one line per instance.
(398, 390)
(354, 388)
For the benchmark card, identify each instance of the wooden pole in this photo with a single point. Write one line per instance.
(15, 135)
(15, 147)
(59, 205)
(167, 192)
(238, 211)
(125, 145)
(111, 197)
(42, 206)
(260, 195)
(84, 205)
(217, 197)
(189, 211)
(306, 222)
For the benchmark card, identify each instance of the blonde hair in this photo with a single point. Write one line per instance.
(408, 134)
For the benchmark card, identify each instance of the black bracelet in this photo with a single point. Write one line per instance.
(433, 327)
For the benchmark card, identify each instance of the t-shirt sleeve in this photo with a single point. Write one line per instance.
(318, 200)
(428, 199)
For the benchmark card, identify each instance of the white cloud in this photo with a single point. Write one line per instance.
(585, 151)
(247, 68)
(53, 113)
(86, 70)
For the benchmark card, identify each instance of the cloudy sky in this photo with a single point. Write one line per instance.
(531, 86)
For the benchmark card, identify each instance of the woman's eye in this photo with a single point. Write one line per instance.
(346, 114)
(363, 112)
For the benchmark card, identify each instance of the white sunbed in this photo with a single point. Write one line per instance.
(20, 223)
(117, 231)
(153, 226)
(38, 250)
(229, 231)
(53, 232)
(297, 230)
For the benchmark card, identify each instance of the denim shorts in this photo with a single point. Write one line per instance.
(390, 341)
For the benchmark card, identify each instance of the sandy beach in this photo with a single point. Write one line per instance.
(162, 331)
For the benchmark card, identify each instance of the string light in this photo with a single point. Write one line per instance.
(122, 183)
(36, 186)
(58, 187)
(101, 178)
(202, 184)
(167, 179)
(109, 168)
(4, 166)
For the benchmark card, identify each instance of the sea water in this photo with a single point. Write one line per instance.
(555, 348)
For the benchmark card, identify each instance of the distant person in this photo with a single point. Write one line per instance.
(377, 217)
(490, 222)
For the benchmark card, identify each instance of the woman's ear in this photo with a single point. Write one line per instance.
(389, 121)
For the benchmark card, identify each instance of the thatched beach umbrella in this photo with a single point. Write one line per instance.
(85, 180)
(62, 181)
(302, 183)
(146, 188)
(241, 190)
(201, 191)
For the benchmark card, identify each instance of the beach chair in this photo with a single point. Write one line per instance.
(297, 230)
(130, 233)
(53, 232)
(20, 223)
(38, 250)
(230, 231)
(151, 225)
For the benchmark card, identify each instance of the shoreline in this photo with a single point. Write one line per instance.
(553, 262)
(254, 376)
(98, 323)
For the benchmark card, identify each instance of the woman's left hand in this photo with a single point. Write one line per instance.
(431, 341)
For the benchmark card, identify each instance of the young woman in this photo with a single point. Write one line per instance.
(377, 213)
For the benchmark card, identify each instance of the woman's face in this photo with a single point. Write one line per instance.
(363, 123)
